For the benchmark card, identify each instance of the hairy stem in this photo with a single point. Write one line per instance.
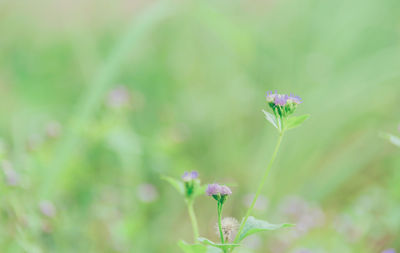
(193, 220)
(260, 186)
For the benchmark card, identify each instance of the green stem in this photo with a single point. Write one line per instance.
(261, 185)
(219, 222)
(193, 220)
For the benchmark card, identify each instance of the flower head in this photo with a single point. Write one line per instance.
(188, 176)
(229, 227)
(213, 189)
(225, 190)
(282, 104)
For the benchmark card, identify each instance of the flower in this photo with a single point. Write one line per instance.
(282, 99)
(282, 104)
(229, 227)
(225, 190)
(213, 189)
(216, 189)
(188, 176)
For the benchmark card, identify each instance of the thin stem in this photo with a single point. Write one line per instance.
(193, 220)
(261, 185)
(219, 222)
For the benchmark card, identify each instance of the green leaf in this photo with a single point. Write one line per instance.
(217, 245)
(254, 226)
(192, 248)
(271, 118)
(296, 121)
(178, 185)
(200, 190)
(392, 138)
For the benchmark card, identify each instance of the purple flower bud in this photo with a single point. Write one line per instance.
(188, 176)
(194, 174)
(282, 99)
(213, 189)
(225, 190)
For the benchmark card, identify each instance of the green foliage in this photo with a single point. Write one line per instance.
(223, 247)
(197, 248)
(395, 140)
(177, 184)
(272, 119)
(192, 248)
(253, 226)
(295, 121)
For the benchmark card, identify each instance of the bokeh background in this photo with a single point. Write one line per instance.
(101, 98)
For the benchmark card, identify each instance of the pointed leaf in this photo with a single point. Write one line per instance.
(217, 245)
(192, 248)
(271, 118)
(200, 190)
(296, 121)
(254, 226)
(392, 138)
(178, 185)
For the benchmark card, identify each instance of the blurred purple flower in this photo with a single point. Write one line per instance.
(47, 208)
(11, 176)
(389, 251)
(147, 193)
(188, 176)
(213, 189)
(118, 98)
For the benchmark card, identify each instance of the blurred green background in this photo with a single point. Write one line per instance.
(101, 98)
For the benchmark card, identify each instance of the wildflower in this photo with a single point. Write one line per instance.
(229, 228)
(213, 189)
(47, 208)
(225, 190)
(189, 176)
(147, 193)
(282, 104)
(216, 189)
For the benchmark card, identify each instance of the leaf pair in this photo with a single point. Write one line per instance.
(180, 186)
(289, 123)
(253, 226)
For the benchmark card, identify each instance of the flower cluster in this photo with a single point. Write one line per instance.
(189, 176)
(282, 104)
(218, 192)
